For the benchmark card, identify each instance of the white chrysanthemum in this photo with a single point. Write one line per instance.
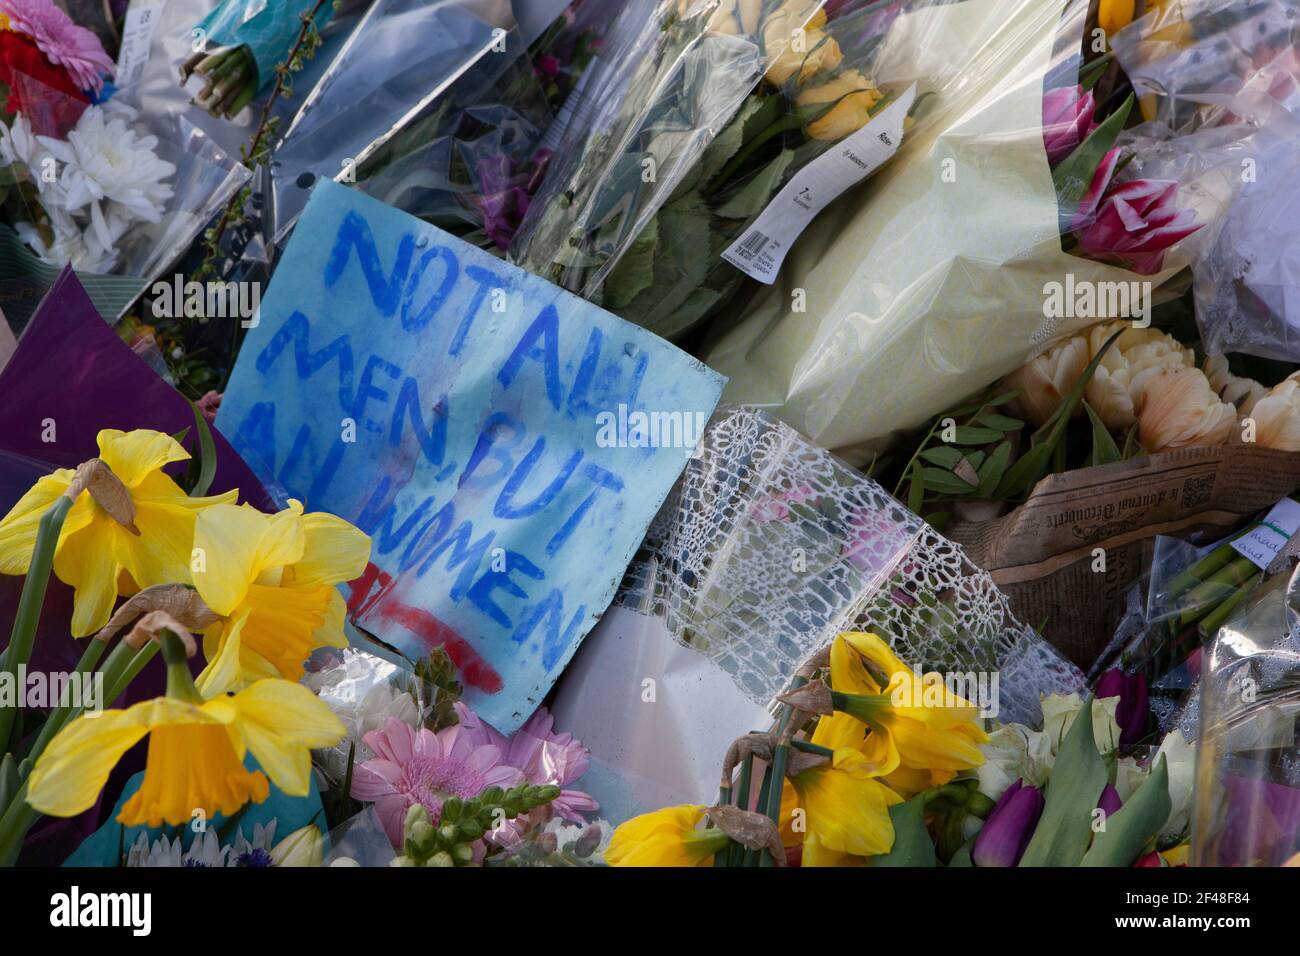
(105, 161)
(18, 144)
(72, 245)
(205, 851)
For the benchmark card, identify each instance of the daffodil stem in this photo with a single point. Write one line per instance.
(23, 635)
(60, 716)
(15, 823)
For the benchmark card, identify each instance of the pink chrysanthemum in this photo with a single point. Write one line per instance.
(72, 47)
(418, 766)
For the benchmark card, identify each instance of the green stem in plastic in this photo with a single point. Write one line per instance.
(23, 635)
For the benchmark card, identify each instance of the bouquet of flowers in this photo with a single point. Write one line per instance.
(647, 186)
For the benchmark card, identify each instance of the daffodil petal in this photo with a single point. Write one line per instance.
(335, 551)
(281, 723)
(88, 562)
(75, 765)
(847, 807)
(223, 671)
(133, 455)
(18, 528)
(234, 544)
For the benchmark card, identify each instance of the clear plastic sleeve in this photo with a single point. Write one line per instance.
(138, 226)
(1246, 809)
(694, 125)
(403, 56)
(908, 291)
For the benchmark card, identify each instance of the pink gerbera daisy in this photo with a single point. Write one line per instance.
(72, 47)
(418, 766)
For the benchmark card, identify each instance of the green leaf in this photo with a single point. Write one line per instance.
(1024, 474)
(1002, 423)
(1074, 174)
(1135, 824)
(1104, 449)
(973, 435)
(944, 456)
(912, 843)
(916, 490)
(635, 271)
(728, 142)
(13, 174)
(945, 482)
(1078, 777)
(994, 468)
(755, 194)
(961, 859)
(207, 455)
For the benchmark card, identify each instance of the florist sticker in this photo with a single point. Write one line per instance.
(503, 442)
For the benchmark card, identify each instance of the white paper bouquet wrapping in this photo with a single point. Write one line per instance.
(766, 549)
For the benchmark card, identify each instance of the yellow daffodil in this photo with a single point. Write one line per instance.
(905, 731)
(845, 807)
(853, 97)
(272, 581)
(196, 753)
(668, 837)
(96, 554)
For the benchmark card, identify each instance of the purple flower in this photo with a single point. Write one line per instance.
(1009, 826)
(548, 65)
(505, 190)
(1260, 822)
(1132, 711)
(1068, 118)
(1110, 801)
(1136, 223)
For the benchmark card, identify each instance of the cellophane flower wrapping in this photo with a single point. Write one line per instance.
(268, 28)
(1246, 808)
(1220, 83)
(725, 101)
(393, 75)
(123, 193)
(766, 549)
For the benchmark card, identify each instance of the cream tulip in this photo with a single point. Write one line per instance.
(1178, 409)
(1137, 357)
(1277, 416)
(1043, 381)
(1240, 392)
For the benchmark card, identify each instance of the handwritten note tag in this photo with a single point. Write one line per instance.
(1263, 542)
(503, 442)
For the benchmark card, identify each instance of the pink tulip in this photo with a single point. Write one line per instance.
(1135, 223)
(1068, 114)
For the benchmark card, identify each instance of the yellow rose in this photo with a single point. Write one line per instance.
(854, 97)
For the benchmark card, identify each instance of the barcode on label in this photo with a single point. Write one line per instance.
(753, 244)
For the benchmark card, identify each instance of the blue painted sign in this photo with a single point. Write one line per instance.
(504, 443)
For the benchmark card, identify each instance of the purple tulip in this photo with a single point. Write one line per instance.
(1009, 826)
(1132, 712)
(1110, 801)
(1261, 819)
(1136, 223)
(1068, 118)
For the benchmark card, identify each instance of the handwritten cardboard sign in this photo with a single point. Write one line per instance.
(504, 443)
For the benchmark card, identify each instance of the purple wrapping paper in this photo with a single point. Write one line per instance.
(70, 367)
